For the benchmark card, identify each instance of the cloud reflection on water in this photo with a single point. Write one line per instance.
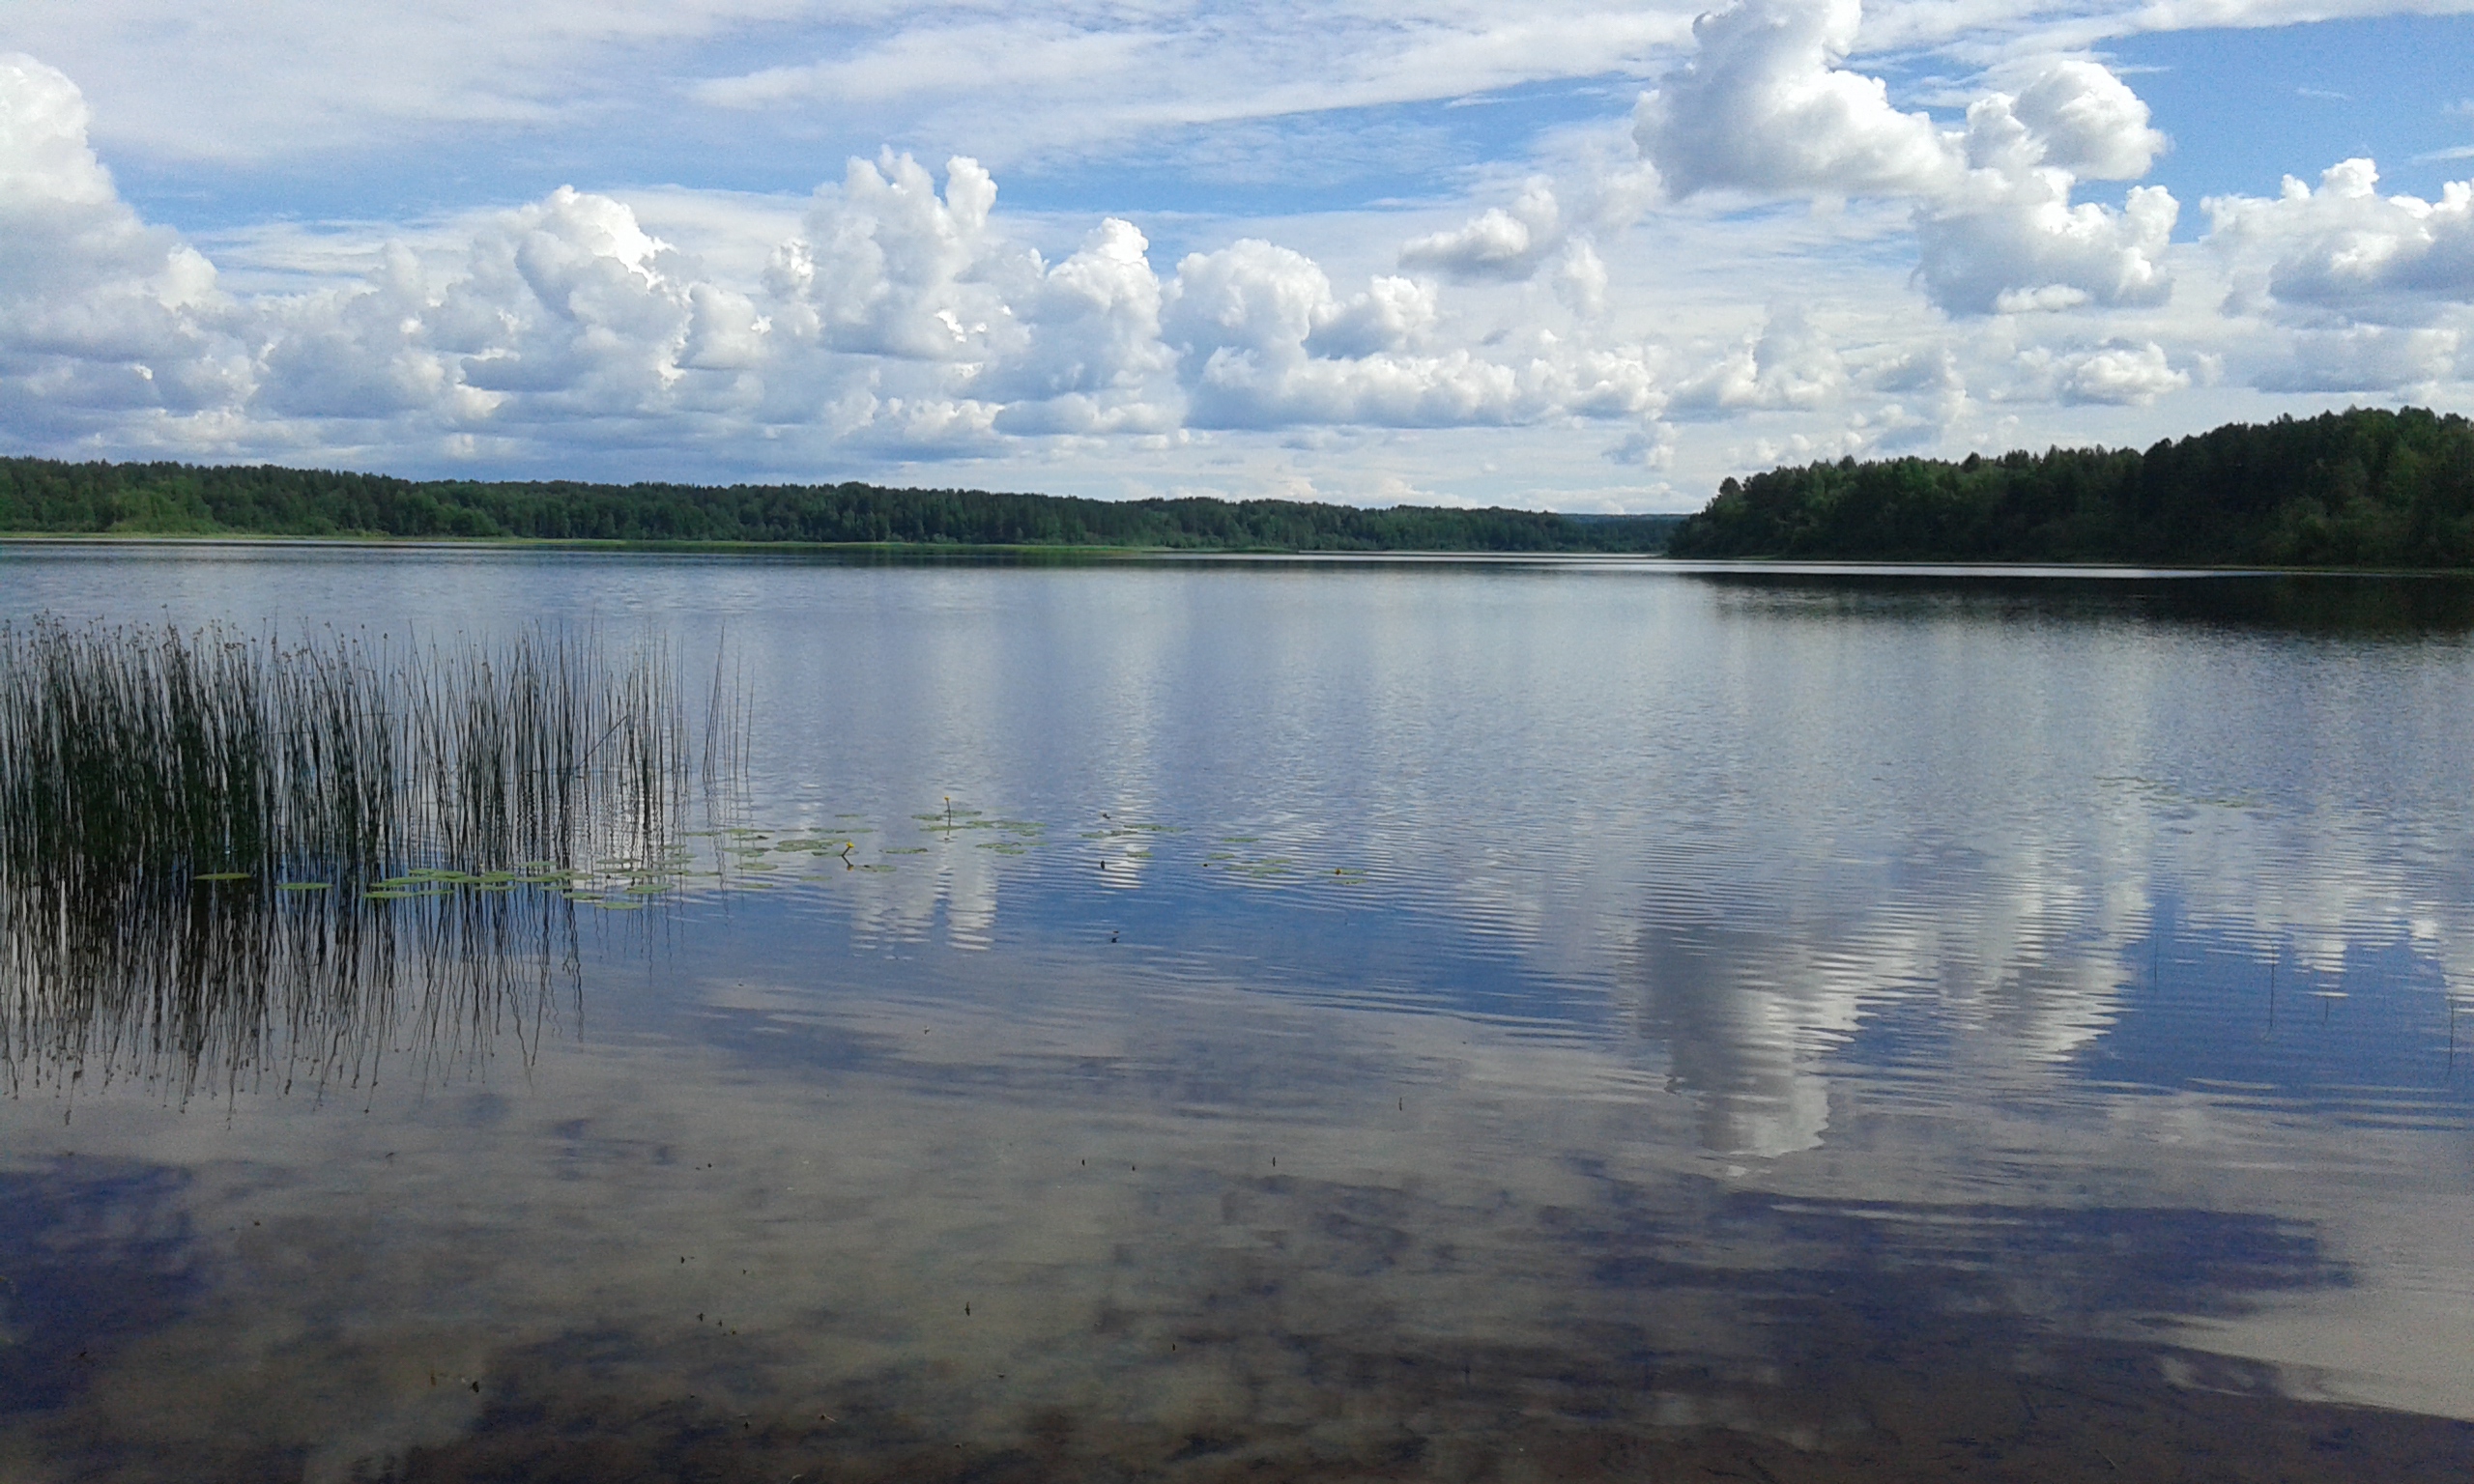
(1735, 1012)
(1084, 1157)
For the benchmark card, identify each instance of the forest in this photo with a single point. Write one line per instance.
(2362, 488)
(45, 496)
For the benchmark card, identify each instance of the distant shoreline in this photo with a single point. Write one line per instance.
(1795, 566)
(781, 548)
(54, 498)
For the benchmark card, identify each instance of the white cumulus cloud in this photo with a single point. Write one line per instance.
(99, 310)
(359, 352)
(1787, 365)
(2345, 248)
(1766, 106)
(1090, 360)
(562, 311)
(2368, 358)
(1763, 106)
(1496, 244)
(2123, 374)
(2006, 243)
(886, 265)
(1263, 341)
(568, 307)
(2087, 120)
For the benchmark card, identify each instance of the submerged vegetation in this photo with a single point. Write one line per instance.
(2360, 488)
(45, 496)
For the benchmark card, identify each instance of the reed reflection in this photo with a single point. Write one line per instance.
(222, 987)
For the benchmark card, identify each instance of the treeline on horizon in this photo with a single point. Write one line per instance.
(2365, 487)
(51, 496)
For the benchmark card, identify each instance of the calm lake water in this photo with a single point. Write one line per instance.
(1331, 1019)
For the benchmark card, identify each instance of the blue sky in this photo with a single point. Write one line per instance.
(1568, 254)
(2247, 107)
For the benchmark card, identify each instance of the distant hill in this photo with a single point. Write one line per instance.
(45, 496)
(2359, 488)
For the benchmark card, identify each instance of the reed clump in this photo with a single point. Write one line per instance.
(339, 758)
(218, 851)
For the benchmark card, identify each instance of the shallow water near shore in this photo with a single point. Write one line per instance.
(1455, 1021)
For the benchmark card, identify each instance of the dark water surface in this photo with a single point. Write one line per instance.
(1224, 1019)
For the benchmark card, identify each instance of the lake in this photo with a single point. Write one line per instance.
(1215, 1018)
